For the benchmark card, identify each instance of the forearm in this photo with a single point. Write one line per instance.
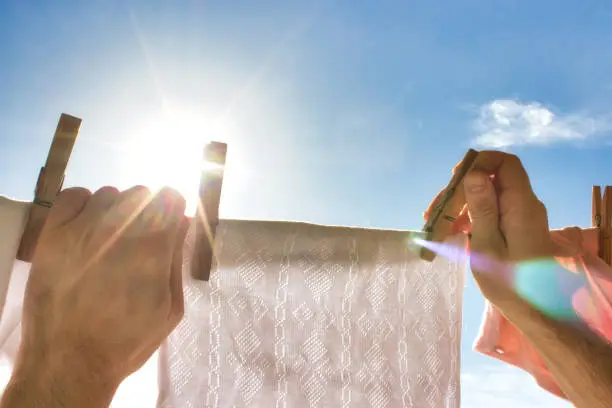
(42, 386)
(580, 361)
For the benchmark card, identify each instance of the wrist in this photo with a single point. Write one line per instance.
(38, 382)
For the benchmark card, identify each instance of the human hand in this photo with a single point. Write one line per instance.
(105, 286)
(507, 222)
(511, 259)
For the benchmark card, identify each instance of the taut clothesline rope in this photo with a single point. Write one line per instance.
(51, 178)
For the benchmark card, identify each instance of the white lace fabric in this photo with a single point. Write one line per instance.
(303, 315)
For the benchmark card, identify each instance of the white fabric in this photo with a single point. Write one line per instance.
(13, 215)
(299, 315)
(294, 315)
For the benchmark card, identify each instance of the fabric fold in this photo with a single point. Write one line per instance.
(13, 217)
(576, 250)
(13, 278)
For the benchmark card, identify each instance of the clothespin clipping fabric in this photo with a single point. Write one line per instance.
(448, 207)
(602, 220)
(49, 183)
(207, 215)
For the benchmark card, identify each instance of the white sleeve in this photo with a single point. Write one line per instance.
(13, 278)
(13, 217)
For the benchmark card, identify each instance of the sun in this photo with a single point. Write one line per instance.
(167, 150)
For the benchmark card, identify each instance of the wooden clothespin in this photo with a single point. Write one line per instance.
(207, 215)
(602, 220)
(447, 208)
(49, 183)
(606, 224)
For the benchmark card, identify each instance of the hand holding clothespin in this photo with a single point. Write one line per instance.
(51, 179)
(49, 183)
(602, 221)
(447, 207)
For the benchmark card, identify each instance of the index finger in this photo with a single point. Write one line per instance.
(523, 217)
(163, 213)
(507, 168)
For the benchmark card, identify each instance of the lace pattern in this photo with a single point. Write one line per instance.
(306, 315)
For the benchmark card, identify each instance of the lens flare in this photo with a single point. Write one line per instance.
(448, 251)
(544, 283)
(548, 286)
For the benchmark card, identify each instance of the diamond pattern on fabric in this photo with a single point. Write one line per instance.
(302, 315)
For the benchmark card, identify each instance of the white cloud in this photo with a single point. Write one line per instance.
(503, 386)
(504, 123)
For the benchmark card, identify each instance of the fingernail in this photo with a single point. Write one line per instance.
(475, 183)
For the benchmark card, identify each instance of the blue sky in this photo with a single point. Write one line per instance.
(335, 112)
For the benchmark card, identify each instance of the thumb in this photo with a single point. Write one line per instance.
(487, 239)
(488, 249)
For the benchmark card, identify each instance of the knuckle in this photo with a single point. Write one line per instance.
(135, 196)
(516, 166)
(539, 209)
(487, 242)
(75, 192)
(170, 192)
(513, 159)
(138, 190)
(107, 190)
(484, 208)
(525, 214)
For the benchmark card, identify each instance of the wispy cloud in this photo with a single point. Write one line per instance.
(503, 386)
(503, 123)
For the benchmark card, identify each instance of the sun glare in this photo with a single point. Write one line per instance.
(168, 151)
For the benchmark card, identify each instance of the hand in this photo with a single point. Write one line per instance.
(511, 259)
(105, 286)
(508, 223)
